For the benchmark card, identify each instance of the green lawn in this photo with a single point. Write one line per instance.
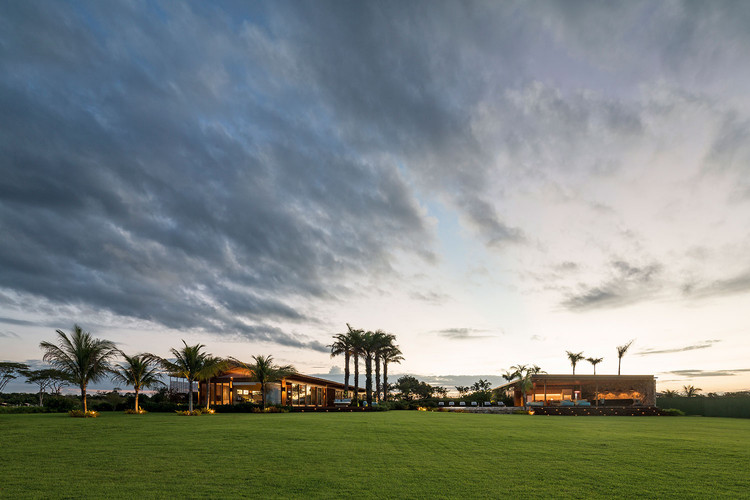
(393, 454)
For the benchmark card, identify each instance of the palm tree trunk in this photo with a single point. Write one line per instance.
(263, 395)
(190, 394)
(83, 396)
(346, 373)
(136, 399)
(385, 380)
(619, 360)
(356, 380)
(368, 379)
(377, 377)
(208, 393)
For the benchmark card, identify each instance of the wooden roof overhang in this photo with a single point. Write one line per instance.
(553, 380)
(244, 375)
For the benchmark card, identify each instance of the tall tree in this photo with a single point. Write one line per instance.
(372, 343)
(81, 358)
(367, 350)
(390, 355)
(188, 363)
(212, 366)
(9, 371)
(621, 350)
(356, 340)
(574, 358)
(523, 374)
(342, 345)
(385, 342)
(594, 362)
(265, 371)
(141, 371)
(46, 378)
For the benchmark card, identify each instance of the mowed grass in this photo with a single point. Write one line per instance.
(393, 454)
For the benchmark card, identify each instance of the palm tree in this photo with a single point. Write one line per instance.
(367, 349)
(385, 342)
(342, 345)
(265, 371)
(188, 363)
(392, 354)
(80, 357)
(621, 350)
(669, 393)
(212, 366)
(574, 358)
(594, 362)
(523, 374)
(142, 371)
(356, 341)
(691, 391)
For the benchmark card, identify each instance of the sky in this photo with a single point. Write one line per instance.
(495, 183)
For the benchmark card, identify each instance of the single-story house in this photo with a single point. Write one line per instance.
(603, 390)
(237, 386)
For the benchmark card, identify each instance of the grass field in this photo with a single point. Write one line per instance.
(393, 454)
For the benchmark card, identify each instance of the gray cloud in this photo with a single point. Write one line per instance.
(146, 177)
(703, 345)
(735, 285)
(708, 373)
(627, 284)
(222, 168)
(464, 333)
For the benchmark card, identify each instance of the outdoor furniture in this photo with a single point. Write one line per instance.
(535, 403)
(338, 403)
(500, 403)
(451, 403)
(567, 402)
(583, 402)
(473, 403)
(487, 403)
(462, 403)
(441, 403)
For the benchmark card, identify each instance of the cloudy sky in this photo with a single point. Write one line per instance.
(493, 182)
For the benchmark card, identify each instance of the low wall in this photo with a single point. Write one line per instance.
(709, 407)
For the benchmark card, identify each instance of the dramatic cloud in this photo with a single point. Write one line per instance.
(265, 172)
(703, 345)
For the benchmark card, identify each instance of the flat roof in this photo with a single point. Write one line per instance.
(575, 379)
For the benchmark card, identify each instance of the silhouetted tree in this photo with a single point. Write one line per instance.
(9, 371)
(621, 350)
(594, 362)
(81, 358)
(574, 358)
(265, 371)
(140, 371)
(188, 363)
(691, 391)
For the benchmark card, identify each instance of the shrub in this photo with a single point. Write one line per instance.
(162, 406)
(22, 409)
(673, 412)
(520, 412)
(238, 408)
(61, 404)
(188, 413)
(132, 411)
(83, 414)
